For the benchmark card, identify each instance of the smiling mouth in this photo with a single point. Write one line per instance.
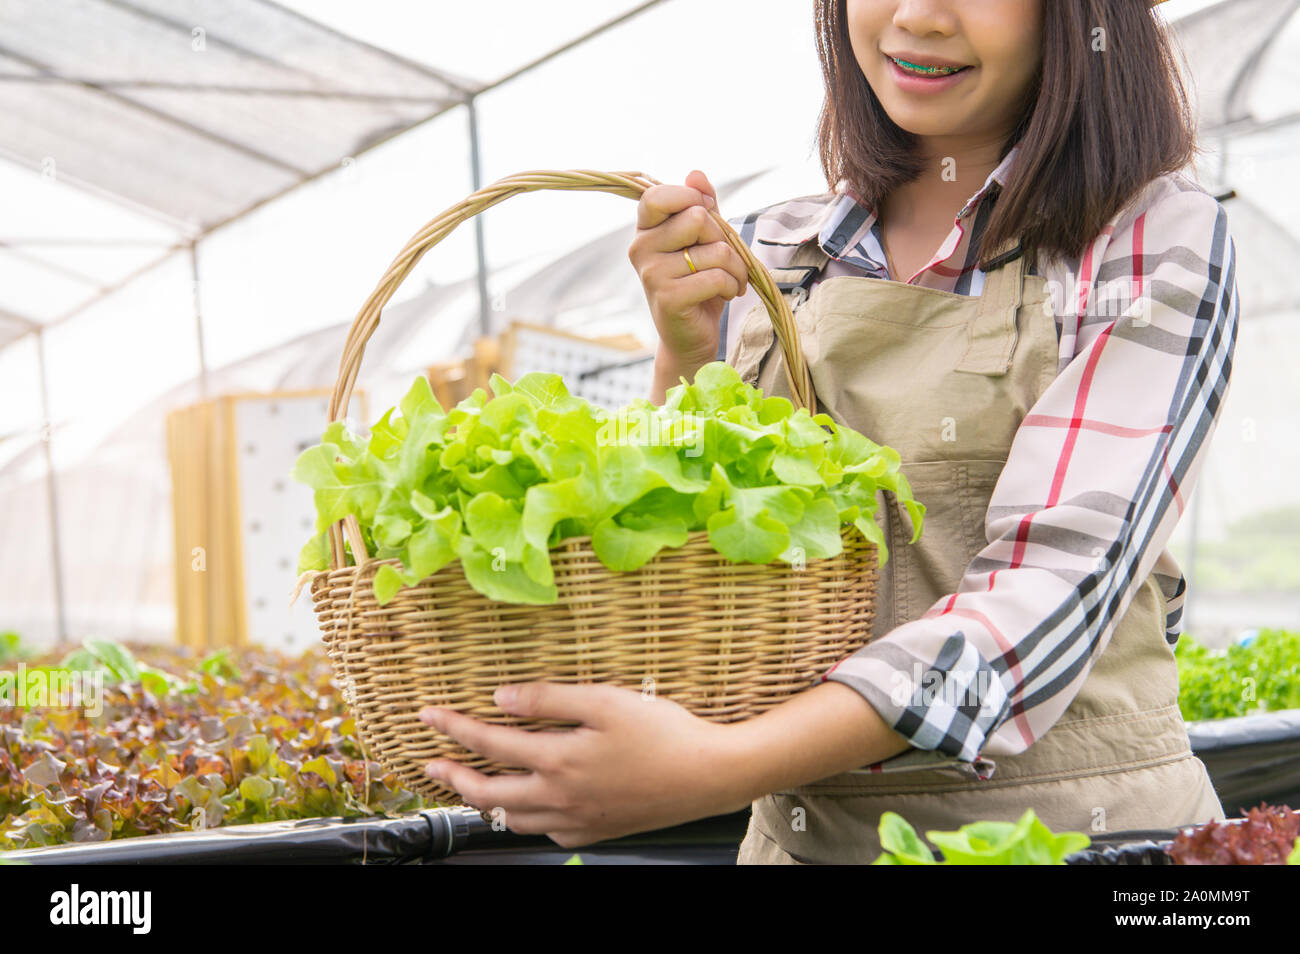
(921, 69)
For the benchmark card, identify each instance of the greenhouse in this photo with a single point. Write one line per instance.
(317, 431)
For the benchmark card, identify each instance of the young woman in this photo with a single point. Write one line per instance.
(1013, 285)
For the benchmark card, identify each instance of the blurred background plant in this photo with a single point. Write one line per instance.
(183, 742)
(1261, 673)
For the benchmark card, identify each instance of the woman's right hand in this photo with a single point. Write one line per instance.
(686, 305)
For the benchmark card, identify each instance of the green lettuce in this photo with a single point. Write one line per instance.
(1245, 678)
(1025, 842)
(496, 482)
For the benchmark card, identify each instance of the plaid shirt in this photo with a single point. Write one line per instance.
(1098, 474)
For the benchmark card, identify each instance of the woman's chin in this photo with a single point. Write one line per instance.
(926, 122)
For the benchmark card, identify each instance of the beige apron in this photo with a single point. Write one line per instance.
(946, 379)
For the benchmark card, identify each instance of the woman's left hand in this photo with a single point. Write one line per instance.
(637, 762)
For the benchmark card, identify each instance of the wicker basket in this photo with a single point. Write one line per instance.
(725, 640)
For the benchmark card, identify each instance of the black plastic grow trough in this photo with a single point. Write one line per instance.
(431, 836)
(1251, 759)
(460, 836)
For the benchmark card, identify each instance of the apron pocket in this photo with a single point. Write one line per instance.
(956, 495)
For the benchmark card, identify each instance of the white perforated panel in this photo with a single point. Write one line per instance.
(276, 512)
(622, 379)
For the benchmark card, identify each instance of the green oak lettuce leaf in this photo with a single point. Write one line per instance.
(901, 844)
(343, 485)
(388, 436)
(753, 526)
(548, 391)
(315, 554)
(717, 387)
(1024, 842)
(498, 578)
(624, 548)
(817, 533)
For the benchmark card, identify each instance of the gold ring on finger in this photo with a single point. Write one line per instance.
(689, 264)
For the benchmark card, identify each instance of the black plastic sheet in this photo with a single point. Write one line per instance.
(1145, 847)
(432, 836)
(407, 838)
(1251, 759)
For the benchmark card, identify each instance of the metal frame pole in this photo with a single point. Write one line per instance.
(476, 183)
(198, 319)
(51, 492)
(207, 520)
(1194, 520)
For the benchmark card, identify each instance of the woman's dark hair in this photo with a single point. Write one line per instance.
(1095, 128)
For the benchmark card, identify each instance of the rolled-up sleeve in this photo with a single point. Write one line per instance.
(1096, 479)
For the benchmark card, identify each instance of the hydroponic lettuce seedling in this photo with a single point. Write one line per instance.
(496, 482)
(244, 736)
(1267, 835)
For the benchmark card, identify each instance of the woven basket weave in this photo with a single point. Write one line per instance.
(725, 640)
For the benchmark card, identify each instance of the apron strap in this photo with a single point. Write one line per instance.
(795, 279)
(993, 331)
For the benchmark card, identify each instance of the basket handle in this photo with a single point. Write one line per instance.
(629, 184)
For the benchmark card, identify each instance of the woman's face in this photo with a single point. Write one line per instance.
(998, 41)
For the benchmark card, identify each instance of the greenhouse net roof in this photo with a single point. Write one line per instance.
(183, 114)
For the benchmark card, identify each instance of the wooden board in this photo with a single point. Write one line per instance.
(239, 519)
